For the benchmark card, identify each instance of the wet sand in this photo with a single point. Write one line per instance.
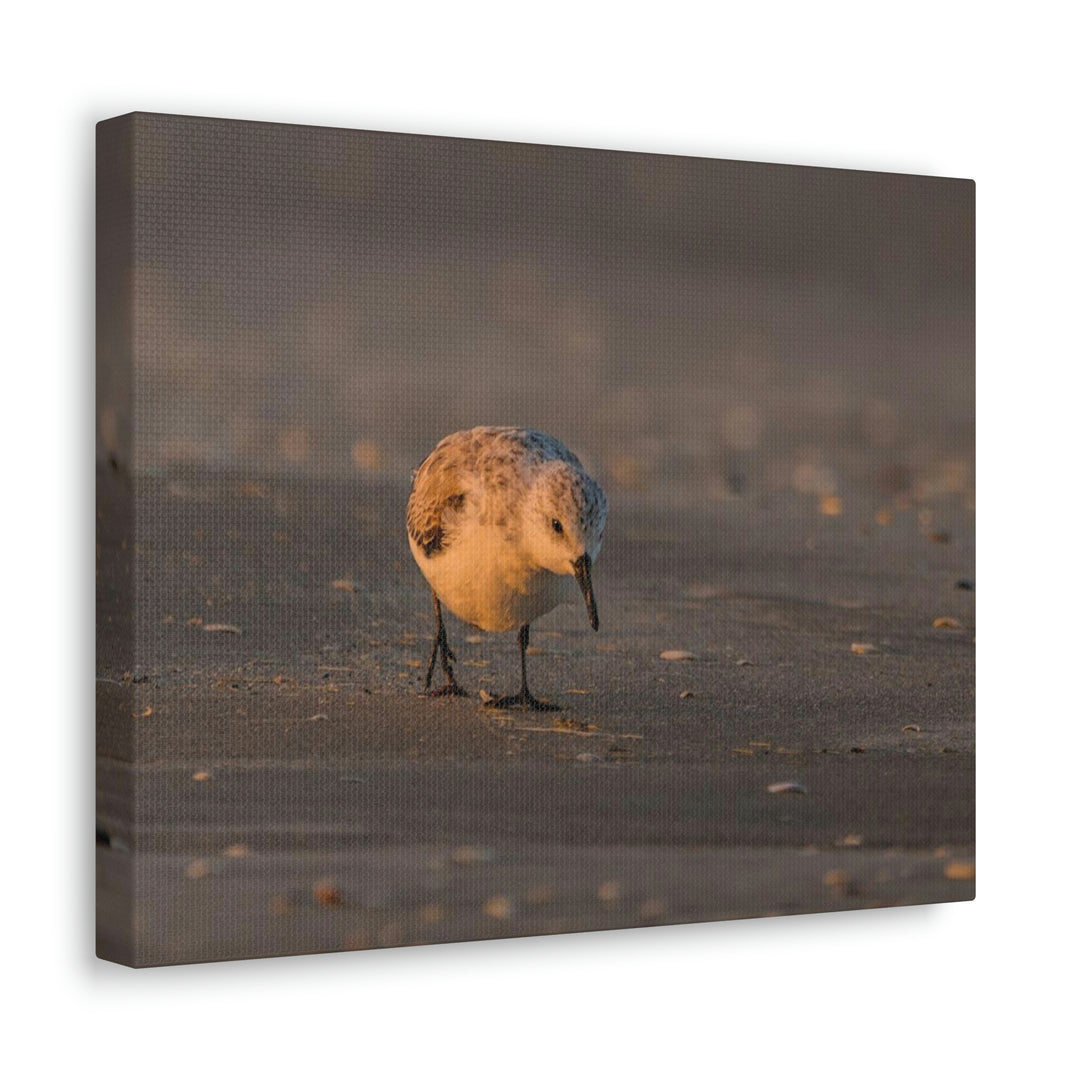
(293, 793)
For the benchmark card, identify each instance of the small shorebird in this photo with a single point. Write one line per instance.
(502, 522)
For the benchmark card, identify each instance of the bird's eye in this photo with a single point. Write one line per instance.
(556, 524)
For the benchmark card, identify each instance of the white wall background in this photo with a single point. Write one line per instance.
(946, 88)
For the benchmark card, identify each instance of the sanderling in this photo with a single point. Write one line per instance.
(502, 521)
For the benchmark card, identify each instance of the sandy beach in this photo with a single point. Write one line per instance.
(291, 792)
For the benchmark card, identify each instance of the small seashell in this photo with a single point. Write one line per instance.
(677, 654)
(588, 757)
(743, 662)
(946, 622)
(200, 776)
(911, 727)
(366, 454)
(839, 880)
(863, 648)
(960, 871)
(432, 913)
(469, 855)
(485, 697)
(220, 628)
(686, 694)
(498, 907)
(786, 787)
(609, 891)
(652, 909)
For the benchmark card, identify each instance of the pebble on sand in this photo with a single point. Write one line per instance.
(327, 893)
(677, 654)
(786, 787)
(863, 648)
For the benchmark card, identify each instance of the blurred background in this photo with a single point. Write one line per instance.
(317, 302)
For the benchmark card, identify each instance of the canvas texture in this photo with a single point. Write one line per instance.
(748, 392)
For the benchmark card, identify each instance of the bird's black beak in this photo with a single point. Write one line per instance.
(583, 573)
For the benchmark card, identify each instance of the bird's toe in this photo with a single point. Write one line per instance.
(522, 701)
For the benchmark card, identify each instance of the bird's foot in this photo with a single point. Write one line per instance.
(450, 689)
(524, 701)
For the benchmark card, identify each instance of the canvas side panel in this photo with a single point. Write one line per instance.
(115, 532)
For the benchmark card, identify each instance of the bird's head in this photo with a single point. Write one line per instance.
(565, 513)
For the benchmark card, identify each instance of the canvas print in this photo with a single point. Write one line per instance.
(501, 540)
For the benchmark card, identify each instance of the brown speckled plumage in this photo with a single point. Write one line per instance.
(492, 456)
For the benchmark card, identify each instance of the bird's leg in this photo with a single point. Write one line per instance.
(440, 647)
(524, 698)
(434, 645)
